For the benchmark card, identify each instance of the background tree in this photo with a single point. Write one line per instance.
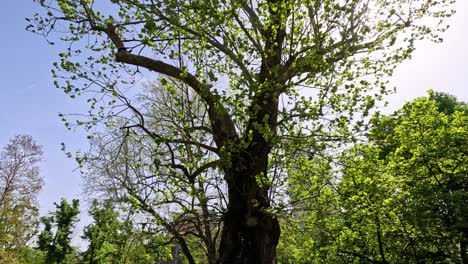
(397, 199)
(447, 103)
(115, 240)
(432, 155)
(101, 234)
(134, 170)
(249, 62)
(20, 183)
(54, 240)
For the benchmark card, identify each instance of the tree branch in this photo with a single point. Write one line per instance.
(221, 122)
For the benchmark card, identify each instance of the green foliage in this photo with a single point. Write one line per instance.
(432, 155)
(401, 198)
(447, 103)
(54, 240)
(101, 234)
(115, 240)
(31, 255)
(244, 89)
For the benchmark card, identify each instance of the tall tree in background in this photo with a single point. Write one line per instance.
(20, 183)
(278, 78)
(131, 168)
(102, 234)
(55, 239)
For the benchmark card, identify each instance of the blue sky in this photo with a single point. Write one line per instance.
(29, 103)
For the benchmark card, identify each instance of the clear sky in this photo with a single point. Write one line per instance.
(29, 103)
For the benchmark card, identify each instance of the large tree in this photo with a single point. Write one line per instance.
(20, 183)
(275, 76)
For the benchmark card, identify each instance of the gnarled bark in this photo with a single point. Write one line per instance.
(250, 233)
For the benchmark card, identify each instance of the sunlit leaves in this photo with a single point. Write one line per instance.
(398, 198)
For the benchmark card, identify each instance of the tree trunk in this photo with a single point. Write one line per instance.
(464, 246)
(379, 240)
(250, 234)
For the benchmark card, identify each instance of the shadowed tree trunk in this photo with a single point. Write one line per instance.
(250, 234)
(464, 246)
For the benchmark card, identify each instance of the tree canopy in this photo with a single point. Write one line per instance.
(274, 80)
